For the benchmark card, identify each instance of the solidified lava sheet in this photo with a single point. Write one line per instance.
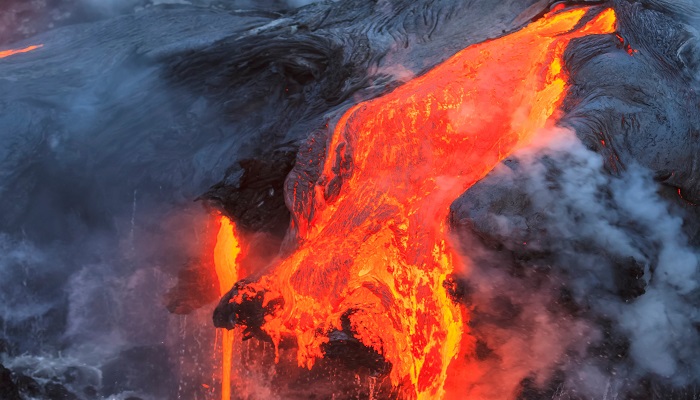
(349, 200)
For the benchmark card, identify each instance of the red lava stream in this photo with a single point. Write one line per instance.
(374, 244)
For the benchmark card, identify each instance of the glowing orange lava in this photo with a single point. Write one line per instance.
(373, 245)
(226, 254)
(7, 53)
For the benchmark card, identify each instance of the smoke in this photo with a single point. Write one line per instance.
(95, 304)
(100, 166)
(575, 270)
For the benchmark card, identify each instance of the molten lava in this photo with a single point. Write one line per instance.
(226, 254)
(7, 53)
(373, 246)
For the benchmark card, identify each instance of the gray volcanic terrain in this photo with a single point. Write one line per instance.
(135, 120)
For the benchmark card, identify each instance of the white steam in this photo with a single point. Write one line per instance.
(586, 228)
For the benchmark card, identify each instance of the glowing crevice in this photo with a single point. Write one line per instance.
(226, 253)
(7, 53)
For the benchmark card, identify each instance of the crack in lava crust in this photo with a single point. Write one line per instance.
(12, 52)
(375, 254)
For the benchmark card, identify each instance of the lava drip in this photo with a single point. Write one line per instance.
(7, 53)
(374, 252)
(226, 253)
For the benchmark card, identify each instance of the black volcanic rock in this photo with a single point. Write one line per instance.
(196, 286)
(8, 389)
(254, 197)
(56, 391)
(629, 278)
(28, 386)
(5, 346)
(90, 392)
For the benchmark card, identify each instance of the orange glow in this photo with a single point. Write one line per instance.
(7, 53)
(680, 194)
(558, 8)
(226, 254)
(628, 48)
(374, 240)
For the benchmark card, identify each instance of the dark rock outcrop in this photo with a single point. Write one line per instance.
(8, 388)
(56, 391)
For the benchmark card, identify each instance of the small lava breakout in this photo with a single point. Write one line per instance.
(8, 53)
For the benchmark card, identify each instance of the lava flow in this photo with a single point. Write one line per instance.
(373, 248)
(7, 53)
(226, 254)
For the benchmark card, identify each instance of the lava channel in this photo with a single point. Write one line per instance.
(226, 254)
(373, 249)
